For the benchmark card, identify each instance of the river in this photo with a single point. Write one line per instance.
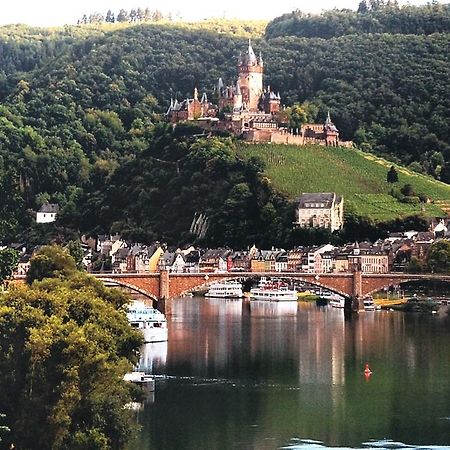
(265, 375)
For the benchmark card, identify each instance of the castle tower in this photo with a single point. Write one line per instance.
(250, 78)
(331, 133)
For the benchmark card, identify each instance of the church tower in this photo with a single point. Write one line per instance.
(250, 78)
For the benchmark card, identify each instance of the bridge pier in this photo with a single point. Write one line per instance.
(164, 299)
(355, 302)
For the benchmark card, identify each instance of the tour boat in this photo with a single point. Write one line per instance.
(151, 322)
(273, 291)
(225, 290)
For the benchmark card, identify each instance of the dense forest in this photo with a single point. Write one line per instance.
(374, 16)
(80, 109)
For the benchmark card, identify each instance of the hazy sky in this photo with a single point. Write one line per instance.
(54, 12)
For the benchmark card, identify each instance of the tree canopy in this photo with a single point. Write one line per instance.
(9, 260)
(66, 344)
(438, 258)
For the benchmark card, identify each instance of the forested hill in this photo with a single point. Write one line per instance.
(78, 104)
(374, 16)
(388, 92)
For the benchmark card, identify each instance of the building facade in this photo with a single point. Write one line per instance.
(320, 210)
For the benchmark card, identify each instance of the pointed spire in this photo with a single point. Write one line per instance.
(328, 121)
(251, 57)
(260, 60)
(204, 98)
(195, 94)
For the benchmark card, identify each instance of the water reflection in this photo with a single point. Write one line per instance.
(243, 375)
(152, 358)
(387, 444)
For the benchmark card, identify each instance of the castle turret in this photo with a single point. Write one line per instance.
(251, 78)
(220, 87)
(237, 103)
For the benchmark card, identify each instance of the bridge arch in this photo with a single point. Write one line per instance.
(206, 280)
(316, 283)
(412, 278)
(112, 283)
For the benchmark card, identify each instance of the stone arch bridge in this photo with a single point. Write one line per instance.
(163, 287)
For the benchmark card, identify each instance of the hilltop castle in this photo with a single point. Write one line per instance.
(249, 110)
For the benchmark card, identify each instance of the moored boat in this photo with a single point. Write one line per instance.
(336, 301)
(151, 322)
(225, 290)
(368, 304)
(273, 291)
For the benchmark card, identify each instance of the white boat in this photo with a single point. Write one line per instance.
(368, 303)
(225, 290)
(151, 322)
(336, 301)
(273, 291)
(140, 378)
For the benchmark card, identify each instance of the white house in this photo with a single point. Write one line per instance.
(320, 210)
(47, 213)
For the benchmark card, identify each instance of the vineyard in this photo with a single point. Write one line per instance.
(360, 177)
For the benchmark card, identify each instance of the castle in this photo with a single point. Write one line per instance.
(249, 110)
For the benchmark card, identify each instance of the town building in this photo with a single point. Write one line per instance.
(249, 109)
(215, 260)
(368, 259)
(294, 260)
(172, 261)
(320, 210)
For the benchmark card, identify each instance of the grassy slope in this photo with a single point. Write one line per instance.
(359, 176)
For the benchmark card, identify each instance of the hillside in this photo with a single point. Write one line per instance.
(80, 105)
(387, 91)
(360, 177)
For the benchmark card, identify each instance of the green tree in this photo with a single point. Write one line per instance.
(296, 116)
(407, 190)
(76, 252)
(66, 344)
(392, 175)
(122, 16)
(438, 259)
(50, 261)
(415, 265)
(9, 259)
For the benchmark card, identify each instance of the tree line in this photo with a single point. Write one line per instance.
(138, 15)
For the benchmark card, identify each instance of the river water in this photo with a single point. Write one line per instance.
(265, 375)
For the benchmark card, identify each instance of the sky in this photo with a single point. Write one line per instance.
(54, 12)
